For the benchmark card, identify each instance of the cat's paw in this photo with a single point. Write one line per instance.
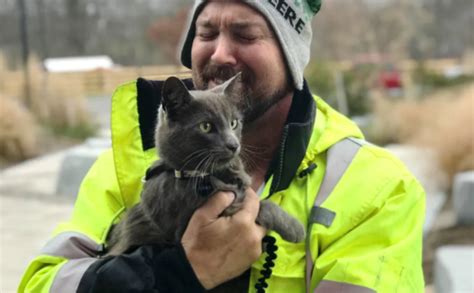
(246, 180)
(295, 232)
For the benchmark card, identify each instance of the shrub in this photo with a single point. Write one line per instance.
(56, 100)
(56, 112)
(429, 80)
(443, 122)
(320, 78)
(18, 131)
(357, 81)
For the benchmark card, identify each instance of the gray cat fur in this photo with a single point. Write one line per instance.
(168, 202)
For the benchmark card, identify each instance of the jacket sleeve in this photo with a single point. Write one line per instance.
(70, 260)
(146, 269)
(381, 250)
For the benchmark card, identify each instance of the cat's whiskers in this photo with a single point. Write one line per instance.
(213, 164)
(253, 149)
(204, 162)
(252, 154)
(193, 156)
(248, 160)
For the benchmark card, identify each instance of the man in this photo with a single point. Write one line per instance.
(364, 234)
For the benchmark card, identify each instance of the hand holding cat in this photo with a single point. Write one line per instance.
(222, 248)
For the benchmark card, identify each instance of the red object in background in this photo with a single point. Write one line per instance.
(391, 79)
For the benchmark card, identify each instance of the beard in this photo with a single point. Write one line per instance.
(255, 100)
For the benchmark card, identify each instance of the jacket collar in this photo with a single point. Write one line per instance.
(148, 101)
(295, 139)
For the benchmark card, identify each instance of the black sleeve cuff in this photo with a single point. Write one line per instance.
(174, 273)
(149, 268)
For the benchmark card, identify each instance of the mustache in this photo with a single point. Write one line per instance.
(225, 72)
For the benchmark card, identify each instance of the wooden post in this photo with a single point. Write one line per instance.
(25, 50)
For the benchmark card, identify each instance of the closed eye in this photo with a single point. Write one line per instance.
(249, 38)
(207, 36)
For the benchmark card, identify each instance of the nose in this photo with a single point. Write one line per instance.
(224, 52)
(232, 145)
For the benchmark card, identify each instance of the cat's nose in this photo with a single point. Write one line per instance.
(232, 146)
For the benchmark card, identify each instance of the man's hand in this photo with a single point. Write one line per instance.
(222, 248)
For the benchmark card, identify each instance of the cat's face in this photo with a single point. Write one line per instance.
(199, 130)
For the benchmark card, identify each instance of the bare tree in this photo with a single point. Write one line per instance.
(451, 30)
(166, 32)
(350, 28)
(143, 32)
(396, 26)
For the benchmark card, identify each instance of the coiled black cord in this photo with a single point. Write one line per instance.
(266, 272)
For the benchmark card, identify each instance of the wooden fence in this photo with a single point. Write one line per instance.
(103, 82)
(90, 83)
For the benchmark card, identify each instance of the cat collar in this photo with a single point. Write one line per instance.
(189, 174)
(204, 186)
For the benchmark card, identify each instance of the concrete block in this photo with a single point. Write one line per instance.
(423, 164)
(434, 203)
(76, 163)
(463, 197)
(454, 269)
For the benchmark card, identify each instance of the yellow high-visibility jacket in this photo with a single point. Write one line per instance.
(371, 243)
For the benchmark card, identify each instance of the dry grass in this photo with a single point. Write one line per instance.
(56, 105)
(54, 100)
(19, 132)
(58, 100)
(443, 122)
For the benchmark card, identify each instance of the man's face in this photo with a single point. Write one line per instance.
(232, 37)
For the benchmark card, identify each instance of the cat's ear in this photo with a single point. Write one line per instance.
(233, 86)
(174, 96)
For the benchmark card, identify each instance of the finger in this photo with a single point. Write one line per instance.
(216, 205)
(261, 231)
(251, 203)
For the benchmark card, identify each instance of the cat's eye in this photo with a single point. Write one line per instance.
(234, 123)
(205, 127)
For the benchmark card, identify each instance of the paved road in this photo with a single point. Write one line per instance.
(30, 208)
(25, 227)
(29, 212)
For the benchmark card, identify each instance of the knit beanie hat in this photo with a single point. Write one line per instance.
(291, 22)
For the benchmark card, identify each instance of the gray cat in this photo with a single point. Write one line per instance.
(198, 138)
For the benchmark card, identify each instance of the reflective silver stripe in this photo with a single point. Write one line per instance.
(339, 287)
(71, 245)
(339, 157)
(81, 252)
(69, 276)
(321, 216)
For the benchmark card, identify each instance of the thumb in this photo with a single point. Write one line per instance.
(216, 205)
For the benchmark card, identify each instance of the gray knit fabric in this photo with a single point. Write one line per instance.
(291, 22)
